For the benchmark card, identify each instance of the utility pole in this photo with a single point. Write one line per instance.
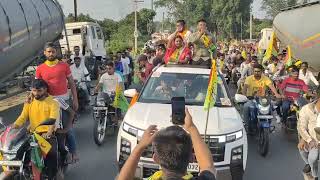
(152, 8)
(75, 10)
(250, 26)
(162, 27)
(241, 28)
(135, 34)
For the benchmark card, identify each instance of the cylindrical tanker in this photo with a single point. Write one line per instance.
(299, 27)
(25, 26)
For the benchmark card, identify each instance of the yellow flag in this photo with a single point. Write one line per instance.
(212, 87)
(44, 145)
(272, 48)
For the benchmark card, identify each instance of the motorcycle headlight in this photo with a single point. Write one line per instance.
(100, 102)
(264, 109)
(264, 102)
(132, 130)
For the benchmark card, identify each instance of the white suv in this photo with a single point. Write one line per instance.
(226, 134)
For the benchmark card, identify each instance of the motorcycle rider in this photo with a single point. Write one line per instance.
(309, 143)
(108, 83)
(256, 85)
(306, 75)
(58, 77)
(291, 89)
(42, 107)
(80, 73)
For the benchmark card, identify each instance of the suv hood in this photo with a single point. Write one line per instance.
(222, 120)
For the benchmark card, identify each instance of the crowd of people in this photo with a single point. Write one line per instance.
(240, 62)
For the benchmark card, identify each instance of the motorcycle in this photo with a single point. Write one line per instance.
(290, 124)
(260, 120)
(104, 115)
(16, 147)
(82, 95)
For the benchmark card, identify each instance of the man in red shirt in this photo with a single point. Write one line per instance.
(291, 89)
(145, 67)
(57, 75)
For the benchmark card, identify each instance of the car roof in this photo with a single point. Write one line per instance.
(182, 69)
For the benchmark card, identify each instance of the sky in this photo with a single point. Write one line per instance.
(118, 9)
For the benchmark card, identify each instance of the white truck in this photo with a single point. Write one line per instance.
(89, 37)
(265, 38)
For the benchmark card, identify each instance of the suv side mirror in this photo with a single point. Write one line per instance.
(130, 93)
(239, 98)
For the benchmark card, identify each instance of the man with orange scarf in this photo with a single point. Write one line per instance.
(181, 30)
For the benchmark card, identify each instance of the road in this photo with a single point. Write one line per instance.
(282, 163)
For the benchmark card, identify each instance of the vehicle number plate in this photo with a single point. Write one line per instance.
(265, 117)
(193, 167)
(100, 108)
(11, 163)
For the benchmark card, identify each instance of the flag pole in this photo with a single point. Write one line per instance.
(207, 120)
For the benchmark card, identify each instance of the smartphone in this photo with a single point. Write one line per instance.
(178, 110)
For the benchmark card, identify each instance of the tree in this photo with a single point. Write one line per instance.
(222, 16)
(273, 7)
(258, 25)
(81, 18)
(109, 27)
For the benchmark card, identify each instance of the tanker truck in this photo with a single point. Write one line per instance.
(298, 27)
(25, 26)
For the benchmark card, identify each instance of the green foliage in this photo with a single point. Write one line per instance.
(81, 18)
(223, 16)
(258, 25)
(273, 7)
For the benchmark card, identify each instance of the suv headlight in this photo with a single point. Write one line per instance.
(234, 136)
(132, 130)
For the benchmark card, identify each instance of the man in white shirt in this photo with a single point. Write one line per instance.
(109, 80)
(76, 50)
(307, 75)
(126, 68)
(80, 73)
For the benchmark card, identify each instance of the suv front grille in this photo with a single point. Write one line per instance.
(217, 150)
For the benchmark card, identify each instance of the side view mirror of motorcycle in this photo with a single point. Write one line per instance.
(239, 98)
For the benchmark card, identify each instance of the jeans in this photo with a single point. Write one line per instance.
(248, 108)
(285, 109)
(71, 141)
(311, 158)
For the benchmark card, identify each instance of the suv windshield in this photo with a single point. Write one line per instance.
(160, 88)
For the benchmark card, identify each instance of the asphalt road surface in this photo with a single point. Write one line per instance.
(96, 163)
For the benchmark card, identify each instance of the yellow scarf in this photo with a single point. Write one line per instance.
(175, 55)
(206, 40)
(159, 174)
(51, 63)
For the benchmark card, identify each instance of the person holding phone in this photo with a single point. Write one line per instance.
(172, 149)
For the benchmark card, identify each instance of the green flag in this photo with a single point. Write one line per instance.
(120, 101)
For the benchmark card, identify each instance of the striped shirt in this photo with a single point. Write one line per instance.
(292, 88)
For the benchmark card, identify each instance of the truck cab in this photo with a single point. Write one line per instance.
(265, 38)
(225, 135)
(86, 35)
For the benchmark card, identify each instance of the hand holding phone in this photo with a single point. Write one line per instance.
(178, 110)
